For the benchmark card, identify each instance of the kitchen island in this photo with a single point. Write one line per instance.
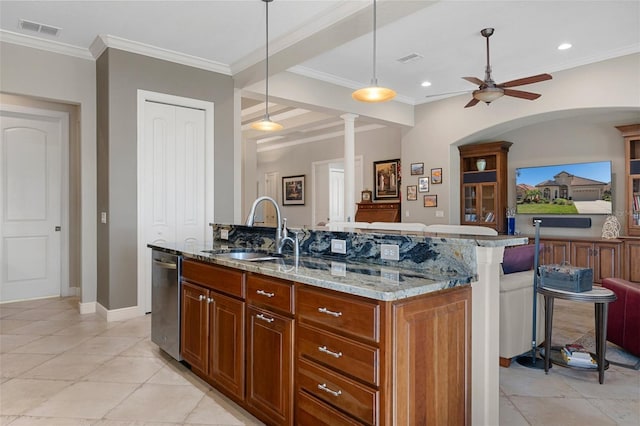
(337, 340)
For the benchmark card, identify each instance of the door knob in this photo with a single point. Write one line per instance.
(58, 228)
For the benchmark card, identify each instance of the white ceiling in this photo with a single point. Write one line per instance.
(331, 40)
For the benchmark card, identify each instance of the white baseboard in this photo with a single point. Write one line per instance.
(87, 308)
(118, 314)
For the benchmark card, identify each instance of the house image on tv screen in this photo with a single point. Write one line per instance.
(562, 193)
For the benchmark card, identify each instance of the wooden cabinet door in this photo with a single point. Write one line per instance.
(432, 352)
(270, 365)
(555, 252)
(226, 343)
(194, 317)
(607, 261)
(582, 254)
(632, 260)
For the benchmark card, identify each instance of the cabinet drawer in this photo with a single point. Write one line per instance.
(339, 391)
(270, 292)
(215, 277)
(311, 412)
(352, 358)
(339, 312)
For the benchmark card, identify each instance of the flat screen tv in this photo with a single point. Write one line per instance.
(579, 188)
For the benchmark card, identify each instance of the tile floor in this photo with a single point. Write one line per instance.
(58, 367)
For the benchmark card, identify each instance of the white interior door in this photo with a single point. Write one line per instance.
(336, 195)
(31, 205)
(174, 179)
(270, 190)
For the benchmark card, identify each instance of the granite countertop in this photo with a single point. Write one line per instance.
(380, 282)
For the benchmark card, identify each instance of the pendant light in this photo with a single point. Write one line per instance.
(374, 93)
(266, 125)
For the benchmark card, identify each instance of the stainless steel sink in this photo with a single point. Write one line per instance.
(248, 254)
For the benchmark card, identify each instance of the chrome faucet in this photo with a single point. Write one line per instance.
(252, 213)
(286, 238)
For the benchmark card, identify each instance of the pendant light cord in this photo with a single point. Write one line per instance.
(266, 104)
(374, 81)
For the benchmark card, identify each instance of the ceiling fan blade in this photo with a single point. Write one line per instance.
(521, 94)
(474, 80)
(472, 102)
(526, 80)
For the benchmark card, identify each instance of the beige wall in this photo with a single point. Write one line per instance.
(69, 80)
(120, 75)
(373, 145)
(611, 88)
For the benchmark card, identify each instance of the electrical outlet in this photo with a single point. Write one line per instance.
(339, 246)
(224, 234)
(389, 252)
(439, 213)
(103, 217)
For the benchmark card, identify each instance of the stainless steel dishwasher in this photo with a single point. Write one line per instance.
(165, 302)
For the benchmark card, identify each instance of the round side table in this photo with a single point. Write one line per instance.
(600, 297)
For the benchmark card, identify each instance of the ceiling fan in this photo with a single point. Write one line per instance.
(488, 91)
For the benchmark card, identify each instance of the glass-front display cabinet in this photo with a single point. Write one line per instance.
(631, 134)
(483, 192)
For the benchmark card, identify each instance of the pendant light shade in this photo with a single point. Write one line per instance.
(374, 93)
(266, 125)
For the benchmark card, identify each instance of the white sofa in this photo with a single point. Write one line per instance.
(516, 307)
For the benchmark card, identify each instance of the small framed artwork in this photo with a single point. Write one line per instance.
(387, 179)
(412, 193)
(417, 168)
(423, 184)
(293, 190)
(431, 201)
(436, 176)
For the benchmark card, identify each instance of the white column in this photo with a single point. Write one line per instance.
(485, 338)
(349, 165)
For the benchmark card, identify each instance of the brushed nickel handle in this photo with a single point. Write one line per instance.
(264, 293)
(209, 299)
(324, 349)
(263, 318)
(328, 312)
(323, 387)
(202, 297)
(165, 265)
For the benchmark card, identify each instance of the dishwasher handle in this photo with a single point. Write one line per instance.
(165, 265)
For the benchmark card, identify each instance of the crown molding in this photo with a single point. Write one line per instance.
(43, 44)
(330, 78)
(325, 136)
(104, 41)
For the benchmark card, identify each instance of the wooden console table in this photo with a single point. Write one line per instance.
(378, 212)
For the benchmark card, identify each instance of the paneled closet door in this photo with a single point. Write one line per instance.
(174, 177)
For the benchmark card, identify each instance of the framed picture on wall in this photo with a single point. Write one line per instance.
(293, 190)
(423, 184)
(436, 176)
(387, 179)
(431, 201)
(412, 193)
(417, 168)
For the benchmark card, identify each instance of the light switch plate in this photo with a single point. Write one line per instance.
(389, 252)
(439, 213)
(339, 246)
(224, 234)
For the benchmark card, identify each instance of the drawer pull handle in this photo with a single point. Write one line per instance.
(323, 387)
(264, 293)
(202, 297)
(328, 312)
(209, 299)
(263, 318)
(329, 352)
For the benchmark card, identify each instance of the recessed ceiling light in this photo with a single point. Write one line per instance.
(426, 84)
(564, 46)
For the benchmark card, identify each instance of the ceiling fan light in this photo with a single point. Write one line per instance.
(488, 94)
(373, 94)
(266, 125)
